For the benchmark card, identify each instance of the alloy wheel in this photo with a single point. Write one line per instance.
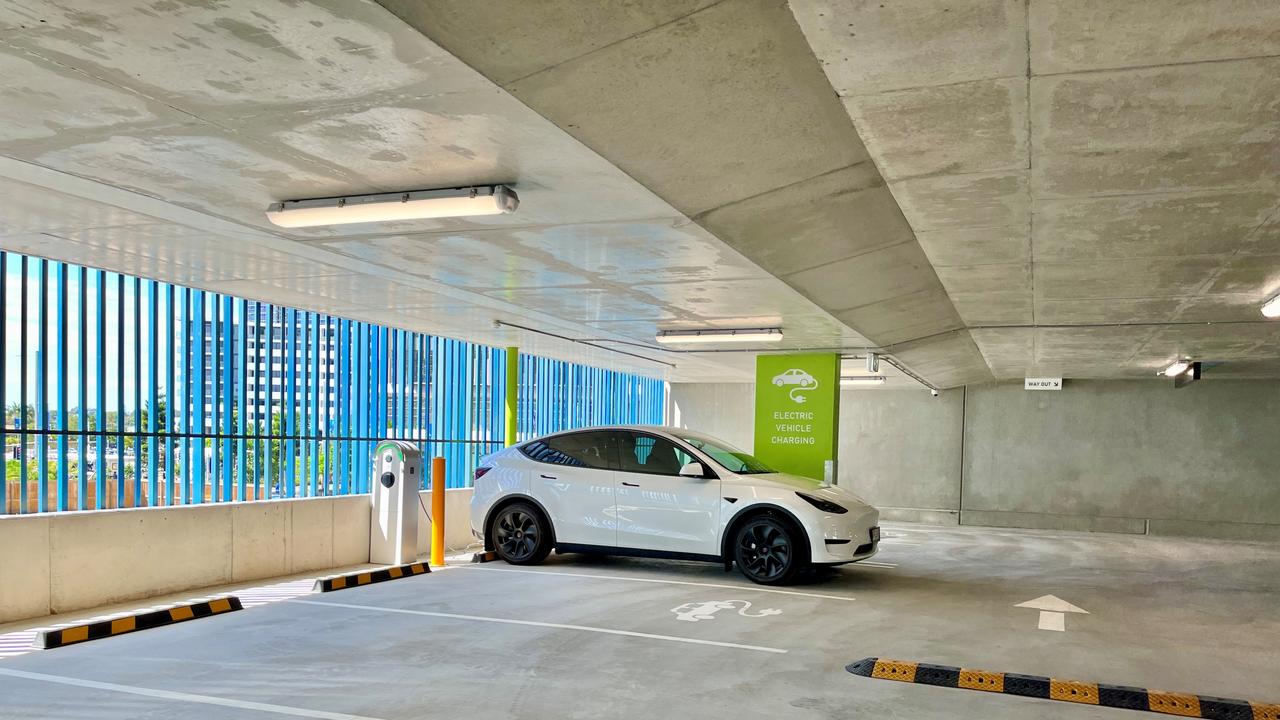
(517, 535)
(764, 551)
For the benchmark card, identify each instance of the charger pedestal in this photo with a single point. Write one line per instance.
(393, 524)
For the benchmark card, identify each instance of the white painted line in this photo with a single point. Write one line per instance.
(183, 697)
(750, 588)
(253, 597)
(17, 643)
(554, 626)
(876, 564)
(1053, 621)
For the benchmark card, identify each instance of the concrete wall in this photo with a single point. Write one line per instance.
(1115, 456)
(1126, 456)
(726, 410)
(900, 450)
(59, 562)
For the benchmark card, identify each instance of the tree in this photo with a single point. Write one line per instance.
(13, 414)
(162, 424)
(162, 415)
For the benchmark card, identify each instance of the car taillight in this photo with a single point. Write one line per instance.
(479, 473)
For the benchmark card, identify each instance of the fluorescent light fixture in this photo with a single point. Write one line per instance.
(753, 335)
(1177, 368)
(390, 207)
(1271, 308)
(859, 380)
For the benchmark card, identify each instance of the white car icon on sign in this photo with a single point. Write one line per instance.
(795, 376)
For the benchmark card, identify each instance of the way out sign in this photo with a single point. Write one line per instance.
(1042, 384)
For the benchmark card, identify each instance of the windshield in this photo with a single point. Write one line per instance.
(732, 459)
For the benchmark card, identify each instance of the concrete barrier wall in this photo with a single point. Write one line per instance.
(60, 562)
(457, 524)
(1109, 456)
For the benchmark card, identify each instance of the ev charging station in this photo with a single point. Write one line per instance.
(393, 526)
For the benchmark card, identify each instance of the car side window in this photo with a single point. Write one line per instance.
(641, 453)
(585, 450)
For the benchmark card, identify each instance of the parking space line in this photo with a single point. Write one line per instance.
(554, 626)
(183, 697)
(748, 588)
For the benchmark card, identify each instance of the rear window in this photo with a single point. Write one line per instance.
(587, 450)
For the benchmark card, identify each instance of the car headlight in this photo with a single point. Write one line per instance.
(825, 506)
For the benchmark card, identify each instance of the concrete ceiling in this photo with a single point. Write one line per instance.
(149, 137)
(722, 111)
(984, 189)
(1093, 181)
(1049, 187)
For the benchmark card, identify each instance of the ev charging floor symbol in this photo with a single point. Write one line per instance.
(693, 612)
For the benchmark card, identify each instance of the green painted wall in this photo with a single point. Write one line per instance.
(797, 411)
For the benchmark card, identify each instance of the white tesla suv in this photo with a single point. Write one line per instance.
(663, 492)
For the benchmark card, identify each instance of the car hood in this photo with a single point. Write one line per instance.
(809, 486)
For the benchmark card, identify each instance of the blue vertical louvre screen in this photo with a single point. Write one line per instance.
(125, 392)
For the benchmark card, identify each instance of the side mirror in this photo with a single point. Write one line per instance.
(694, 469)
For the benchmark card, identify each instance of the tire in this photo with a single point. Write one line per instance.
(521, 535)
(779, 383)
(767, 550)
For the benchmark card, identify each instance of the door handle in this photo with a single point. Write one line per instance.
(549, 477)
(631, 484)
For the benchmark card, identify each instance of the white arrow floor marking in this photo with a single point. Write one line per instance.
(1052, 621)
(1053, 611)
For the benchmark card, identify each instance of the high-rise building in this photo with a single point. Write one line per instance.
(267, 340)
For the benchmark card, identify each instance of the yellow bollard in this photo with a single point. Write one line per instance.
(437, 511)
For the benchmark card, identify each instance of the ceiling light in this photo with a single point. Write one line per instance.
(674, 337)
(858, 380)
(1177, 368)
(1271, 308)
(388, 207)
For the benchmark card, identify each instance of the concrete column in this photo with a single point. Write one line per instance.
(513, 388)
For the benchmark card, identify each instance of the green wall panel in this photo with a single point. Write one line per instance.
(797, 411)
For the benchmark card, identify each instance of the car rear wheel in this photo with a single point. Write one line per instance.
(521, 535)
(767, 551)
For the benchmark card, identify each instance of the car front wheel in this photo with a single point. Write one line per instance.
(767, 551)
(521, 535)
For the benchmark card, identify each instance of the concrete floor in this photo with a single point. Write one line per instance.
(492, 641)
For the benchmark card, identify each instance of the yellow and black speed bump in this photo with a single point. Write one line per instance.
(1116, 696)
(486, 556)
(394, 572)
(49, 639)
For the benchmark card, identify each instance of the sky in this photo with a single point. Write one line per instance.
(110, 347)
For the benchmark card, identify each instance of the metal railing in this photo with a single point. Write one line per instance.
(125, 392)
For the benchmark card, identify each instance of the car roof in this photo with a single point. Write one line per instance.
(647, 428)
(670, 430)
